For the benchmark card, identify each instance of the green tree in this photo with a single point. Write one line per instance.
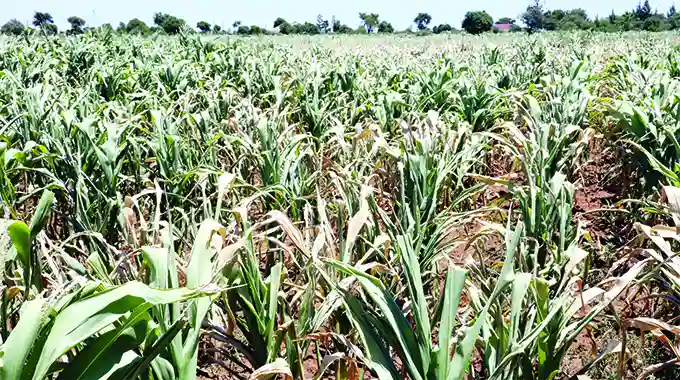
(370, 21)
(477, 22)
(13, 27)
(322, 24)
(385, 27)
(442, 28)
(204, 26)
(254, 29)
(45, 22)
(422, 21)
(505, 20)
(533, 17)
(42, 18)
(279, 21)
(567, 20)
(307, 28)
(217, 29)
(137, 26)
(341, 28)
(643, 11)
(169, 23)
(286, 28)
(77, 24)
(242, 29)
(655, 23)
(673, 19)
(50, 29)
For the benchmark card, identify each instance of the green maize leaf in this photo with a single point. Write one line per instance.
(141, 364)
(519, 290)
(378, 358)
(272, 306)
(395, 319)
(156, 259)
(417, 292)
(455, 281)
(104, 355)
(15, 351)
(638, 122)
(42, 212)
(121, 363)
(20, 235)
(199, 273)
(464, 349)
(163, 369)
(520, 347)
(84, 318)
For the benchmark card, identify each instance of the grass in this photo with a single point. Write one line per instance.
(298, 207)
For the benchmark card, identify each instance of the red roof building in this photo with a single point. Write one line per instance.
(503, 27)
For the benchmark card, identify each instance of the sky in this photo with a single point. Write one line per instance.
(263, 12)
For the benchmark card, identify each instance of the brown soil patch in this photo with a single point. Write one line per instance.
(582, 351)
(601, 182)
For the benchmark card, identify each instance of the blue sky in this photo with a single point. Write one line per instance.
(263, 12)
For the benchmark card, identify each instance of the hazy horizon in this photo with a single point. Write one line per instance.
(263, 12)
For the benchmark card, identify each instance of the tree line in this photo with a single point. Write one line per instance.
(534, 19)
(642, 17)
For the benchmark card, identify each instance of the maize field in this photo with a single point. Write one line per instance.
(358, 207)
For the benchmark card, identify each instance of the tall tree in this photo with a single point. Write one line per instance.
(441, 28)
(254, 29)
(13, 27)
(77, 25)
(41, 18)
(279, 21)
(169, 23)
(643, 11)
(673, 19)
(385, 27)
(236, 24)
(307, 28)
(477, 22)
(50, 29)
(422, 20)
(287, 28)
(321, 24)
(217, 29)
(338, 27)
(137, 26)
(203, 26)
(370, 21)
(533, 17)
